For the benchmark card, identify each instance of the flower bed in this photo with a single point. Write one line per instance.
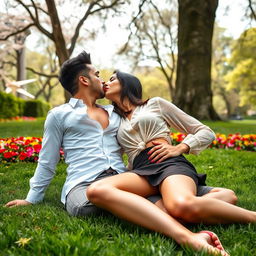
(21, 149)
(18, 118)
(231, 141)
(27, 148)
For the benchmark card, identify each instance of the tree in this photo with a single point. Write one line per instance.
(13, 49)
(192, 91)
(153, 37)
(226, 103)
(44, 67)
(48, 22)
(153, 82)
(243, 75)
(193, 85)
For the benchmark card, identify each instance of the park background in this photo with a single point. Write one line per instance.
(198, 54)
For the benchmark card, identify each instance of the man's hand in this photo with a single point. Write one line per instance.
(17, 202)
(162, 151)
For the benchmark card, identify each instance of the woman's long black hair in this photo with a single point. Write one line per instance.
(130, 88)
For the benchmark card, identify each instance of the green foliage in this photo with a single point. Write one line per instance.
(9, 105)
(243, 75)
(225, 103)
(154, 84)
(21, 104)
(36, 108)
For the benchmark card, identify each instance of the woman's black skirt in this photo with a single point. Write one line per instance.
(157, 172)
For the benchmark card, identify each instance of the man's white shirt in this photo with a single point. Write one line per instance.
(88, 148)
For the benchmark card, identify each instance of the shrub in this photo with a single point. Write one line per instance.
(36, 108)
(21, 104)
(9, 106)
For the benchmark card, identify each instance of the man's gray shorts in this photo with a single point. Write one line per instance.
(77, 203)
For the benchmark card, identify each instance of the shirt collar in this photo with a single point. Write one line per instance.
(108, 108)
(73, 102)
(78, 102)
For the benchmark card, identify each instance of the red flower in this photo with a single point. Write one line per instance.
(10, 154)
(27, 142)
(23, 155)
(2, 150)
(13, 146)
(37, 148)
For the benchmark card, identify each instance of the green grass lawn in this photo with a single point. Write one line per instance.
(53, 232)
(22, 128)
(234, 126)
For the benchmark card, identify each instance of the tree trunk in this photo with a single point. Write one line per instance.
(193, 85)
(21, 64)
(21, 68)
(58, 38)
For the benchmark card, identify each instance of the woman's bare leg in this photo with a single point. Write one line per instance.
(123, 195)
(223, 194)
(178, 193)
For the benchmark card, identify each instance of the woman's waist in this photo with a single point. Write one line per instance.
(136, 146)
(150, 143)
(133, 151)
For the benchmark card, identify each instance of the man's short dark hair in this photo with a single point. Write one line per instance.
(73, 68)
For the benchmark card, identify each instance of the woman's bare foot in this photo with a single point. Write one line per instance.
(208, 241)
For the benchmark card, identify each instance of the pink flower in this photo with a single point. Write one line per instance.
(230, 145)
(29, 151)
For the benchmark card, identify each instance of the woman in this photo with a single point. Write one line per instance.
(159, 166)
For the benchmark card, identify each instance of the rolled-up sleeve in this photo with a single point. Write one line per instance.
(48, 158)
(199, 136)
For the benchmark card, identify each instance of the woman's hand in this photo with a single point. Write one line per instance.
(162, 151)
(17, 202)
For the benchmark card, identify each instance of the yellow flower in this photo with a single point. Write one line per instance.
(23, 241)
(246, 143)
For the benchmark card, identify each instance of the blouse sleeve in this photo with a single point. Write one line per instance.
(199, 136)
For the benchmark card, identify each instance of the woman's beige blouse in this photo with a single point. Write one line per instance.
(154, 120)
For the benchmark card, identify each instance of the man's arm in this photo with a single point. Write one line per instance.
(48, 158)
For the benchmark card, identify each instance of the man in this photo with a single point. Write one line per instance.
(85, 131)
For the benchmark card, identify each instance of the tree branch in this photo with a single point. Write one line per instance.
(17, 32)
(78, 27)
(36, 19)
(42, 74)
(103, 7)
(87, 13)
(251, 8)
(133, 21)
